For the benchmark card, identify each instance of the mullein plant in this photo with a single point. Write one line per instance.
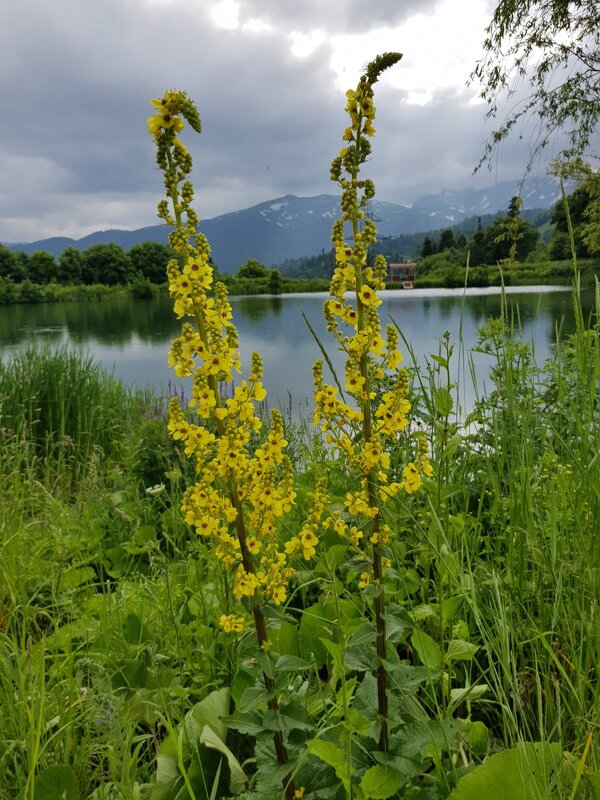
(241, 495)
(364, 430)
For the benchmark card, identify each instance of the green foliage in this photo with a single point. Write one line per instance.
(527, 772)
(149, 259)
(552, 47)
(253, 269)
(106, 263)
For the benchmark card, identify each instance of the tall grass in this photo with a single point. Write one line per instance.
(63, 407)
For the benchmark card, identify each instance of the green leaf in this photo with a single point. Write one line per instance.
(527, 772)
(76, 576)
(443, 401)
(443, 362)
(134, 630)
(427, 649)
(208, 712)
(450, 608)
(593, 778)
(459, 650)
(292, 664)
(380, 782)
(327, 752)
(237, 780)
(427, 739)
(288, 642)
(56, 783)
(334, 757)
(459, 695)
(245, 723)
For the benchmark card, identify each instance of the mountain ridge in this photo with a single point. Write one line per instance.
(291, 227)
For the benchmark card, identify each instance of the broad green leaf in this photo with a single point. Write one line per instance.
(443, 401)
(334, 757)
(357, 723)
(319, 621)
(427, 649)
(329, 753)
(527, 772)
(134, 630)
(380, 782)
(450, 608)
(470, 693)
(427, 739)
(459, 650)
(237, 780)
(288, 641)
(209, 712)
(250, 722)
(167, 768)
(56, 783)
(76, 576)
(334, 650)
(292, 664)
(443, 362)
(421, 612)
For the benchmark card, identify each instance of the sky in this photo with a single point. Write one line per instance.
(268, 77)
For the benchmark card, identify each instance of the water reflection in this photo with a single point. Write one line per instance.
(132, 337)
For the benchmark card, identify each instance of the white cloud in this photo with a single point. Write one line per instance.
(226, 14)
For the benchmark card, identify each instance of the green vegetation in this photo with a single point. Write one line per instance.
(550, 49)
(110, 650)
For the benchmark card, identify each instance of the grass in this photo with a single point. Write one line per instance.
(108, 610)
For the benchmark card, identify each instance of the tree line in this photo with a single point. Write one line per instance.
(101, 263)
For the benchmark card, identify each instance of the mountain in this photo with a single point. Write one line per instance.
(290, 226)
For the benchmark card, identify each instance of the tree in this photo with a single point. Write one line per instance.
(553, 48)
(275, 282)
(253, 269)
(150, 260)
(477, 246)
(510, 237)
(584, 213)
(42, 267)
(106, 263)
(7, 262)
(70, 266)
(428, 247)
(446, 240)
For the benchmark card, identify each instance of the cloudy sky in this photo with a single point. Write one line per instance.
(268, 77)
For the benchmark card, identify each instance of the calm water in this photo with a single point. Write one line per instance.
(131, 337)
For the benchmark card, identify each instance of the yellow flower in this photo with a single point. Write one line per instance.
(232, 624)
(412, 478)
(368, 296)
(343, 254)
(354, 382)
(364, 580)
(278, 595)
(394, 358)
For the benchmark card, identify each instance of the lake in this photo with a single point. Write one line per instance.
(131, 338)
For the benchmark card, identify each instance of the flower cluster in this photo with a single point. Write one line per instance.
(364, 426)
(241, 492)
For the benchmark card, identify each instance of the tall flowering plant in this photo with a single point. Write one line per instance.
(365, 427)
(241, 494)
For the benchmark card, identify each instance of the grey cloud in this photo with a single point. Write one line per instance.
(335, 16)
(77, 76)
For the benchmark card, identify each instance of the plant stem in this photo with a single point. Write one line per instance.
(372, 487)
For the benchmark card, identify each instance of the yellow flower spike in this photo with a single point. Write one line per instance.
(235, 502)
